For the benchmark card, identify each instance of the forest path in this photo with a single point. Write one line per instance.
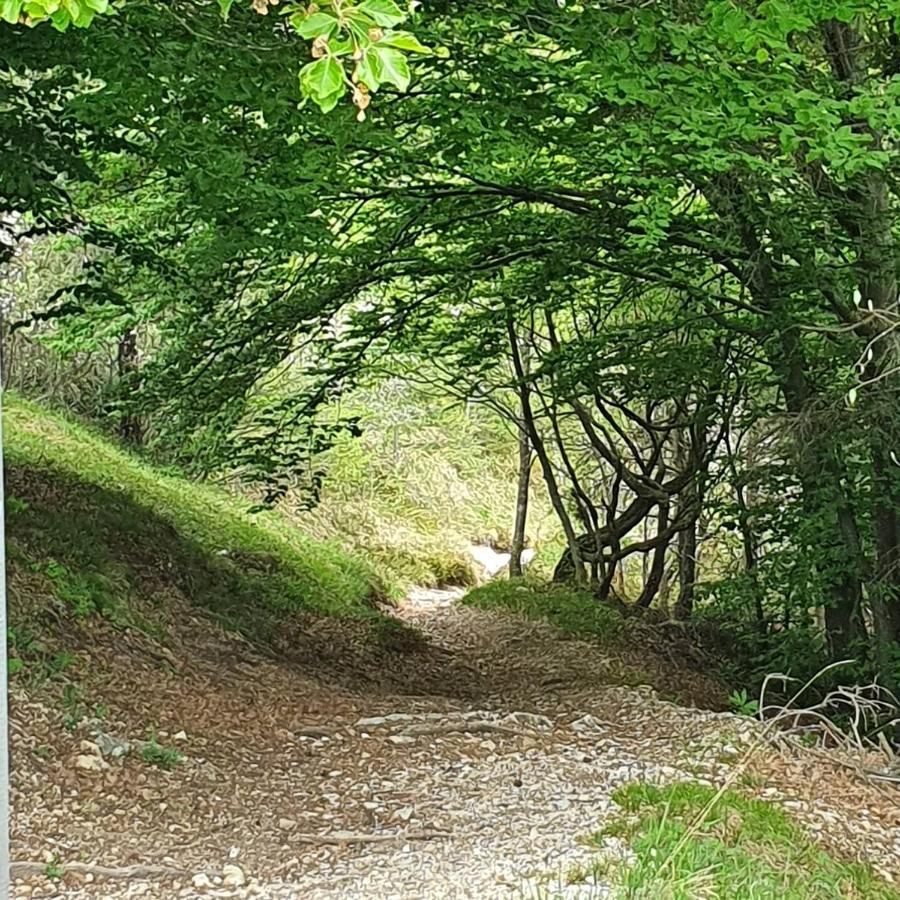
(468, 767)
(505, 771)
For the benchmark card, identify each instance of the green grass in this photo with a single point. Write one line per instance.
(575, 612)
(156, 754)
(423, 482)
(742, 849)
(95, 531)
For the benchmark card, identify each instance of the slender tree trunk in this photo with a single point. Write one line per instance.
(518, 535)
(654, 575)
(751, 554)
(130, 427)
(871, 222)
(540, 450)
(687, 570)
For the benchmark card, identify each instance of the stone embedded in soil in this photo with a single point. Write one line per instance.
(233, 876)
(90, 763)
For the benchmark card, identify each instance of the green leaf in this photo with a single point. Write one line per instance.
(323, 81)
(225, 7)
(315, 25)
(383, 12)
(369, 70)
(393, 67)
(9, 10)
(328, 103)
(403, 40)
(60, 19)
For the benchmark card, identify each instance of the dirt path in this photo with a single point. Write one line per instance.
(467, 767)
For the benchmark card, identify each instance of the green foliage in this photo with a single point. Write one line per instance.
(572, 611)
(60, 13)
(31, 660)
(354, 45)
(689, 844)
(741, 703)
(53, 870)
(15, 505)
(85, 594)
(155, 754)
(74, 704)
(685, 213)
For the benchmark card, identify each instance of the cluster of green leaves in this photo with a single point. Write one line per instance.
(356, 47)
(742, 703)
(158, 755)
(60, 13)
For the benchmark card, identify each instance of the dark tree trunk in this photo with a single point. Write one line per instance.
(868, 217)
(540, 450)
(130, 426)
(655, 574)
(518, 535)
(687, 569)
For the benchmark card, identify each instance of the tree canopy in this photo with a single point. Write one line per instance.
(658, 239)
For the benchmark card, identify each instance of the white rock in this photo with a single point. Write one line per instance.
(287, 824)
(110, 745)
(180, 736)
(540, 723)
(201, 881)
(90, 763)
(233, 876)
(587, 723)
(401, 739)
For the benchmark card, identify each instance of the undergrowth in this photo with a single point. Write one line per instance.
(422, 483)
(742, 848)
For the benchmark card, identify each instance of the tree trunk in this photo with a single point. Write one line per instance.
(687, 570)
(130, 427)
(540, 450)
(518, 535)
(654, 575)
(871, 222)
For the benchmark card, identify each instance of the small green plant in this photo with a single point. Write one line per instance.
(75, 591)
(15, 505)
(61, 661)
(73, 703)
(53, 869)
(162, 757)
(742, 704)
(32, 659)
